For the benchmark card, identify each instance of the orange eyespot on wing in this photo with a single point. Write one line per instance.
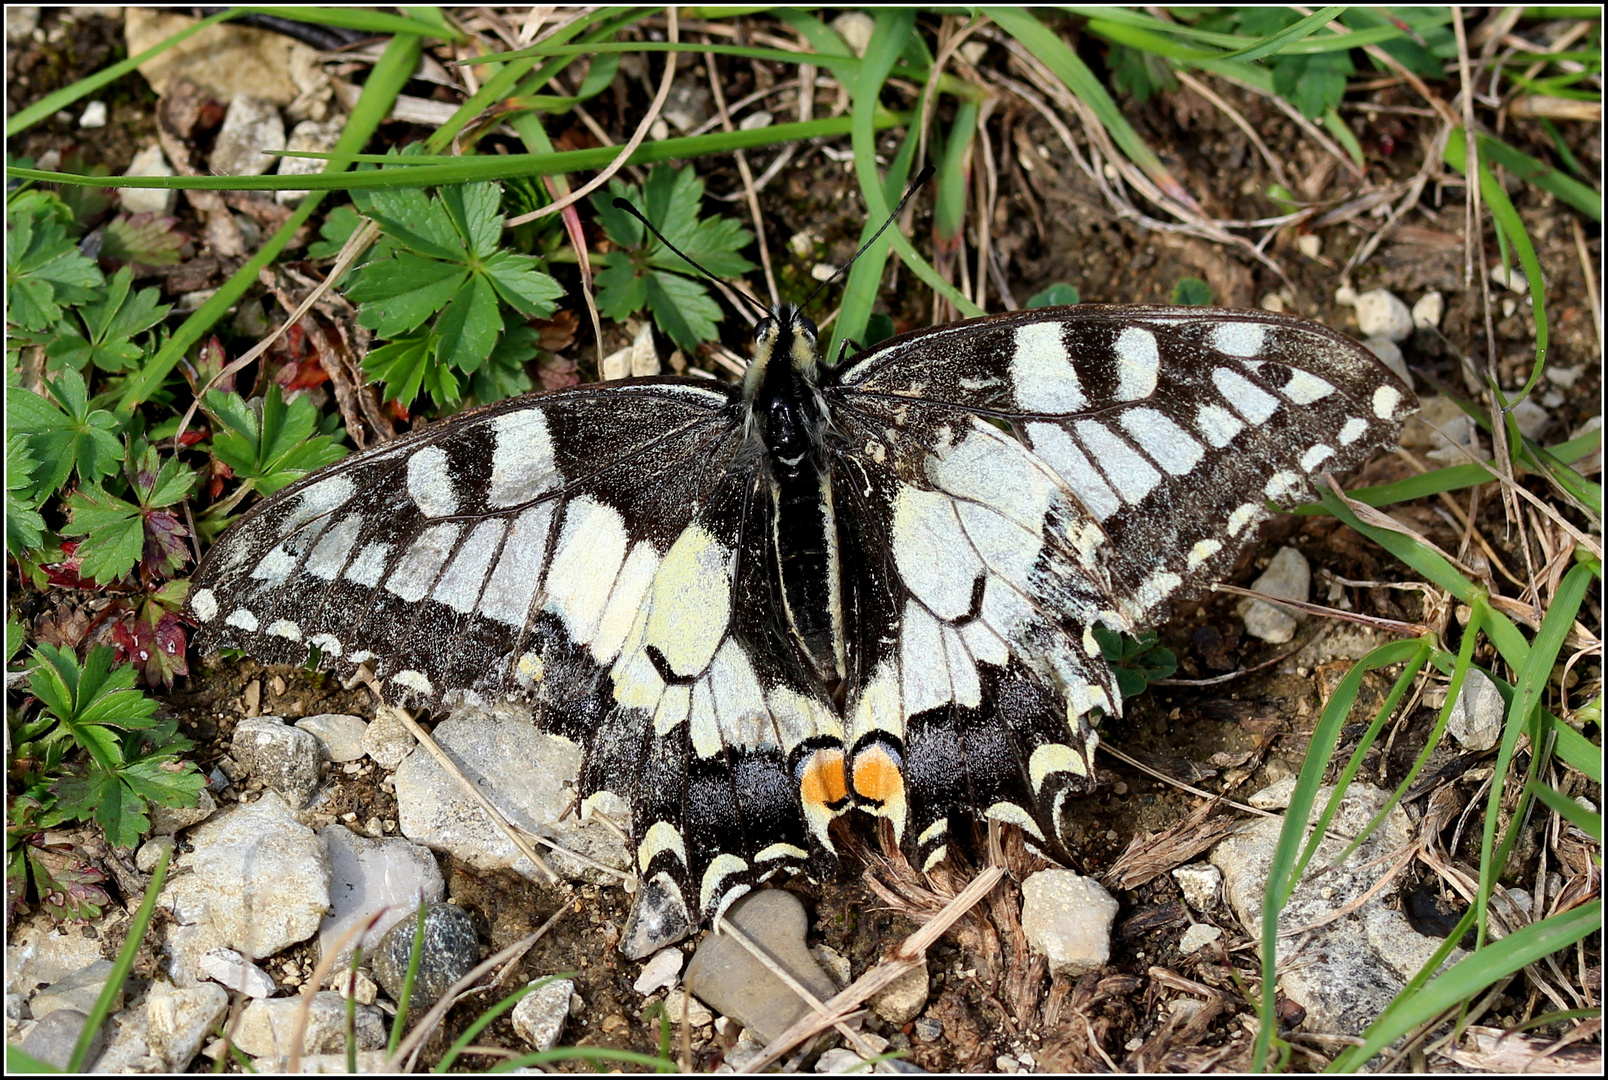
(822, 783)
(877, 777)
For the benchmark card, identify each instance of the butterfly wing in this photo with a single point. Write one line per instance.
(1072, 465)
(595, 552)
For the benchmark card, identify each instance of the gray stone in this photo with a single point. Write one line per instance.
(1288, 576)
(730, 980)
(171, 820)
(528, 775)
(1429, 309)
(1068, 918)
(902, 1000)
(1383, 313)
(658, 918)
(1344, 970)
(267, 1027)
(228, 968)
(928, 1029)
(21, 22)
(224, 60)
(177, 1021)
(148, 162)
(833, 963)
(383, 880)
(451, 947)
(38, 953)
(128, 1044)
(1478, 713)
(679, 1004)
(150, 853)
(1201, 883)
(539, 1017)
(1531, 419)
(78, 991)
(282, 757)
(368, 1061)
(251, 126)
(52, 1039)
(353, 984)
(687, 105)
(1197, 937)
(340, 735)
(1389, 354)
(256, 881)
(387, 739)
(310, 136)
(94, 115)
(1443, 431)
(659, 972)
(840, 1060)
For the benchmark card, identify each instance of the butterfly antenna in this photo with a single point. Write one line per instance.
(623, 204)
(921, 178)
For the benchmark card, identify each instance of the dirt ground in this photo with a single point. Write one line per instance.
(1230, 738)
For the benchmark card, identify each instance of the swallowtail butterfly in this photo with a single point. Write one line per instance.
(868, 585)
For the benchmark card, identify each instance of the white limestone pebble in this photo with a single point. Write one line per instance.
(1429, 309)
(1288, 576)
(539, 1017)
(1382, 313)
(1067, 917)
(148, 162)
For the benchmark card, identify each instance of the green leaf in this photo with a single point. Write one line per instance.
(620, 291)
(44, 268)
(273, 447)
(402, 365)
(399, 293)
(473, 210)
(1315, 83)
(65, 437)
(1192, 291)
(108, 327)
(683, 309)
(520, 282)
(469, 326)
(25, 528)
(1137, 662)
(337, 228)
(417, 222)
(1054, 296)
(144, 238)
(1141, 74)
(503, 373)
(113, 531)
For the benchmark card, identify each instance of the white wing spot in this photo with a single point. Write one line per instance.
(1385, 400)
(1138, 363)
(691, 601)
(242, 618)
(1218, 425)
(205, 604)
(275, 566)
(329, 643)
(935, 565)
(591, 547)
(413, 680)
(1304, 388)
(522, 464)
(1282, 483)
(1042, 371)
(369, 565)
(1056, 448)
(1242, 339)
(1355, 429)
(625, 602)
(1316, 456)
(417, 568)
(1130, 474)
(333, 548)
(1163, 440)
(1248, 399)
(459, 587)
(1203, 550)
(284, 628)
(508, 595)
(1157, 587)
(1243, 515)
(430, 482)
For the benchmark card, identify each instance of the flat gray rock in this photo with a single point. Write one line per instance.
(539, 1016)
(1287, 576)
(1346, 969)
(226, 967)
(340, 734)
(178, 1021)
(267, 1027)
(79, 990)
(733, 982)
(52, 1039)
(257, 881)
(528, 775)
(368, 878)
(1478, 713)
(251, 126)
(387, 739)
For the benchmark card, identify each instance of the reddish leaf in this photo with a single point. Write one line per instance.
(157, 652)
(64, 575)
(165, 549)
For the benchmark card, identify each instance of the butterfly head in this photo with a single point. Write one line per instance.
(785, 350)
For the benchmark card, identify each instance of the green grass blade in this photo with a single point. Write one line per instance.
(371, 22)
(470, 169)
(1056, 55)
(1569, 810)
(48, 105)
(1542, 175)
(1470, 977)
(1512, 226)
(1303, 42)
(102, 1009)
(1281, 877)
(1576, 751)
(385, 81)
(1431, 566)
(1343, 135)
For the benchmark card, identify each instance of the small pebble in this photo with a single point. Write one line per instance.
(1428, 310)
(1477, 715)
(539, 1017)
(1382, 313)
(94, 115)
(1201, 884)
(451, 948)
(928, 1029)
(1288, 576)
(1512, 277)
(1389, 354)
(1309, 245)
(1198, 937)
(1067, 918)
(659, 972)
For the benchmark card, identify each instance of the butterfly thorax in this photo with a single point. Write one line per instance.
(788, 418)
